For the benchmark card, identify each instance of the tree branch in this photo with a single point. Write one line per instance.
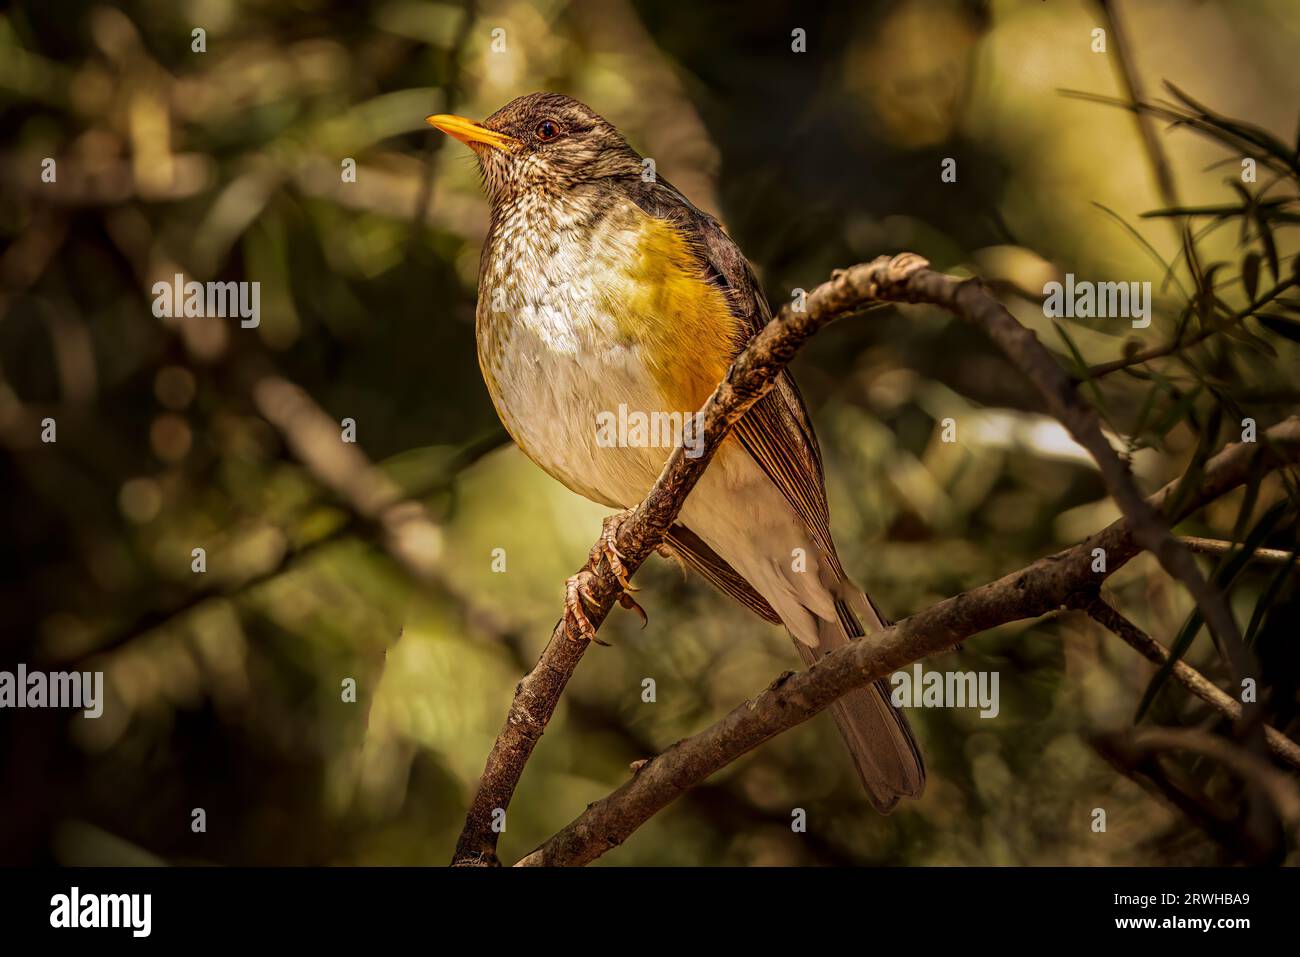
(971, 301)
(1047, 585)
(904, 278)
(749, 378)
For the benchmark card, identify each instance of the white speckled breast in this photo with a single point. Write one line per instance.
(552, 361)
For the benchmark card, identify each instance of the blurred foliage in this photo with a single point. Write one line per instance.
(225, 165)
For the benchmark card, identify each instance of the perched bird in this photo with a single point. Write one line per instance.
(602, 287)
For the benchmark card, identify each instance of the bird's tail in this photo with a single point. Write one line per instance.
(877, 734)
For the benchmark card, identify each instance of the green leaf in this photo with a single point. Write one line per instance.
(1222, 211)
(1283, 326)
(1177, 413)
(1205, 446)
(1230, 567)
(1247, 132)
(1151, 250)
(1250, 274)
(1270, 246)
(1247, 208)
(1090, 383)
(1270, 594)
(1148, 406)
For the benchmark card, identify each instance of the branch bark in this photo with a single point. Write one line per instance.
(1049, 584)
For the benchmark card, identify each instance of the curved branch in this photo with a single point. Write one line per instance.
(1047, 585)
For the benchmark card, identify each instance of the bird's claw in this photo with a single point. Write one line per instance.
(608, 548)
(630, 603)
(576, 595)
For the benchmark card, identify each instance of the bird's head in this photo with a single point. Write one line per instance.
(542, 142)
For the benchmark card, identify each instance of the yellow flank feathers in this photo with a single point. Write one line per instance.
(679, 319)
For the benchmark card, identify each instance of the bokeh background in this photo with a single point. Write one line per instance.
(373, 561)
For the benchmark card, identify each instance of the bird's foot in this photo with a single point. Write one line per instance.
(607, 548)
(630, 603)
(577, 595)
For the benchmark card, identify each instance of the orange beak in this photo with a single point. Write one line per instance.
(469, 132)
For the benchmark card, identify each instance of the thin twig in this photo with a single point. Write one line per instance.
(1214, 546)
(1132, 83)
(1109, 617)
(1177, 345)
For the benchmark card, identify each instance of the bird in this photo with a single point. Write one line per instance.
(602, 287)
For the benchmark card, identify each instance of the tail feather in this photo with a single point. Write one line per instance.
(877, 734)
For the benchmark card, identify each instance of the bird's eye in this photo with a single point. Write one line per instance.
(548, 130)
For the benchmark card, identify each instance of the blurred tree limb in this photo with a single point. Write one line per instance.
(452, 91)
(1128, 76)
(1110, 618)
(376, 508)
(903, 278)
(1134, 749)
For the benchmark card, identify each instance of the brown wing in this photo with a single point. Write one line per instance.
(777, 431)
(717, 572)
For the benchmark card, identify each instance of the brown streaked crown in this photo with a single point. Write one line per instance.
(562, 143)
